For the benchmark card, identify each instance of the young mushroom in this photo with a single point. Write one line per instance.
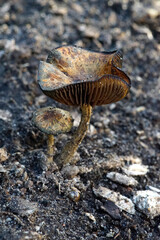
(79, 77)
(52, 121)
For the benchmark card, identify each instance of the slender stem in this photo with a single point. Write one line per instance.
(50, 148)
(71, 147)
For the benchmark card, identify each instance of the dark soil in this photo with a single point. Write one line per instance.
(130, 128)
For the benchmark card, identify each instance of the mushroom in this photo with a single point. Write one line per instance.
(52, 121)
(79, 77)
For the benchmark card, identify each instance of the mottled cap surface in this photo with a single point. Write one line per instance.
(76, 76)
(52, 120)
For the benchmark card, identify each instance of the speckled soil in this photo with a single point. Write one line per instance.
(128, 129)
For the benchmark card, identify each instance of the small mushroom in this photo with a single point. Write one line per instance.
(79, 77)
(52, 121)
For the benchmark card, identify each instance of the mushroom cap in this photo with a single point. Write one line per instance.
(75, 76)
(52, 120)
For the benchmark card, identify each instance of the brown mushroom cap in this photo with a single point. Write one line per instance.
(52, 120)
(75, 76)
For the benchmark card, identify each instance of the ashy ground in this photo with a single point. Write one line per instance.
(36, 203)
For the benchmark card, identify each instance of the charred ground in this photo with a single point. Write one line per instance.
(129, 128)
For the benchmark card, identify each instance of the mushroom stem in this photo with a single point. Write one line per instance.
(71, 147)
(50, 148)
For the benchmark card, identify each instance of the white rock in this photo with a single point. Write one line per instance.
(77, 118)
(121, 201)
(89, 31)
(112, 106)
(5, 115)
(157, 133)
(2, 169)
(90, 216)
(153, 12)
(148, 202)
(10, 45)
(122, 179)
(136, 170)
(154, 189)
(92, 130)
(37, 228)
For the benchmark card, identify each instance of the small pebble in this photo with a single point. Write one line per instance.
(5, 115)
(98, 124)
(136, 170)
(10, 45)
(19, 171)
(37, 228)
(70, 171)
(89, 31)
(109, 143)
(110, 235)
(90, 216)
(148, 202)
(3, 155)
(112, 106)
(122, 179)
(92, 130)
(2, 169)
(140, 109)
(25, 176)
(121, 201)
(76, 7)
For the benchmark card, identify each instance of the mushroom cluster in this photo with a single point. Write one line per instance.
(84, 78)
